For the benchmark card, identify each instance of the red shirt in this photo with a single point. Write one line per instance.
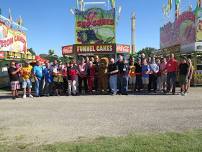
(72, 73)
(171, 65)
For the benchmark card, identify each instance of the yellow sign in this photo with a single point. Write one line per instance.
(12, 40)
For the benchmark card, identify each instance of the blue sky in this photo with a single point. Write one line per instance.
(51, 25)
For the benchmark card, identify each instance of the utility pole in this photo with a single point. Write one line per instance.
(133, 32)
(199, 3)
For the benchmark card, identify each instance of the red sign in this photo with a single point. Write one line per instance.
(1, 55)
(95, 48)
(122, 48)
(66, 50)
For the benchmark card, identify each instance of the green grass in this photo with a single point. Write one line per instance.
(168, 142)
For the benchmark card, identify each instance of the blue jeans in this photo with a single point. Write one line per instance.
(171, 81)
(38, 87)
(113, 83)
(123, 84)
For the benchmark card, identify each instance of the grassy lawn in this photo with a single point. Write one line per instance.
(167, 142)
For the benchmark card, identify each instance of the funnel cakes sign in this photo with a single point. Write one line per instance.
(104, 48)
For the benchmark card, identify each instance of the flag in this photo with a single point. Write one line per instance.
(177, 2)
(170, 2)
(113, 3)
(167, 8)
(10, 15)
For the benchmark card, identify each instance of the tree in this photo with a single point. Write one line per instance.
(32, 51)
(148, 51)
(51, 52)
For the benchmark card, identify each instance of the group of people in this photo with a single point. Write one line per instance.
(101, 76)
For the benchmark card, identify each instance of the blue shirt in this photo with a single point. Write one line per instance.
(145, 68)
(38, 71)
(48, 75)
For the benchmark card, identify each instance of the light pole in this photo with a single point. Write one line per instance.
(133, 31)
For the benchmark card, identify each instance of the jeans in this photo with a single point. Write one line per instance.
(38, 87)
(113, 83)
(123, 84)
(72, 87)
(171, 81)
(48, 88)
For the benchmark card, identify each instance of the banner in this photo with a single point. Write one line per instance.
(67, 50)
(181, 32)
(2, 55)
(120, 48)
(198, 13)
(95, 48)
(113, 3)
(167, 8)
(12, 40)
(95, 26)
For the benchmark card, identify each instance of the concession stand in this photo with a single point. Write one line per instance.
(13, 47)
(95, 33)
(183, 37)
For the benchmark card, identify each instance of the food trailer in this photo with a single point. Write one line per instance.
(183, 37)
(13, 47)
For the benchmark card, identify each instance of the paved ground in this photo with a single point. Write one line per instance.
(54, 119)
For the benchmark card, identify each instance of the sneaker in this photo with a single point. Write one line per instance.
(24, 96)
(182, 94)
(30, 96)
(14, 98)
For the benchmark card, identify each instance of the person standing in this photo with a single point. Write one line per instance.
(132, 75)
(113, 72)
(96, 64)
(158, 62)
(72, 73)
(65, 81)
(163, 74)
(54, 69)
(58, 80)
(190, 74)
(48, 88)
(38, 76)
(123, 69)
(145, 74)
(183, 76)
(154, 69)
(91, 76)
(138, 73)
(13, 73)
(83, 76)
(26, 84)
(171, 68)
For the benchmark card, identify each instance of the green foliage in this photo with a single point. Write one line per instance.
(32, 51)
(148, 51)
